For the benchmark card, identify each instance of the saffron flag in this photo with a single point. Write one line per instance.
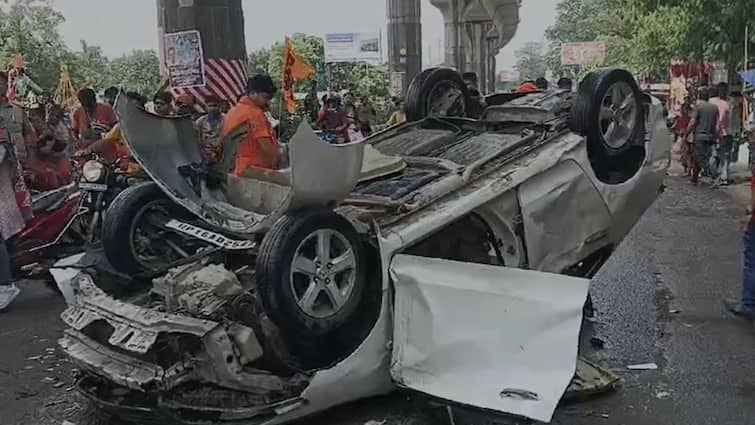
(295, 68)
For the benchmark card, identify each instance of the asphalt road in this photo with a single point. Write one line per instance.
(658, 300)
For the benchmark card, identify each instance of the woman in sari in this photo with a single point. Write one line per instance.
(15, 201)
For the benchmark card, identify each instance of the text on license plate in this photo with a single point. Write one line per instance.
(94, 187)
(210, 237)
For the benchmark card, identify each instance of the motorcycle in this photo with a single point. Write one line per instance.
(69, 218)
(102, 182)
(52, 232)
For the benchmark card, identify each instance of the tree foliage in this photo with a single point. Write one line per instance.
(646, 35)
(531, 61)
(30, 28)
(138, 70)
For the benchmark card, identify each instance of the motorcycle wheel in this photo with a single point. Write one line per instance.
(132, 242)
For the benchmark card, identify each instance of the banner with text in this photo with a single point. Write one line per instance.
(353, 47)
(590, 53)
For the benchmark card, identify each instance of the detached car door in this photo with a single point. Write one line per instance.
(489, 337)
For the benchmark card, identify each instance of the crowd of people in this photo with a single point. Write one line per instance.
(38, 145)
(347, 116)
(708, 127)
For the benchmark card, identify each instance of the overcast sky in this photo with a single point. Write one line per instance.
(122, 25)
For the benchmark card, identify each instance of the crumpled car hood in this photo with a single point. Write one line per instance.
(321, 174)
(494, 338)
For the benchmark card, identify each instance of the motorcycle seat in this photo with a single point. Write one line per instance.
(50, 200)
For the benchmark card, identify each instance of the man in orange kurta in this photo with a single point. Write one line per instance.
(260, 147)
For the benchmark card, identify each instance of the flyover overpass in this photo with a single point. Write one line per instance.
(475, 31)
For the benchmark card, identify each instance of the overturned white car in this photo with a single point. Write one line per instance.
(445, 256)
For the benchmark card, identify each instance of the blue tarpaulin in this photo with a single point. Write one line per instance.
(748, 76)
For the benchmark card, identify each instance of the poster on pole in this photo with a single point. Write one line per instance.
(353, 47)
(184, 59)
(590, 53)
(397, 83)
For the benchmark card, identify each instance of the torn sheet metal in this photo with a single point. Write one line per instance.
(135, 329)
(162, 146)
(322, 174)
(490, 337)
(121, 369)
(591, 380)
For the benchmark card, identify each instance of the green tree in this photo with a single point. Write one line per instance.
(531, 61)
(579, 21)
(645, 35)
(714, 30)
(259, 61)
(137, 71)
(30, 28)
(88, 65)
(662, 35)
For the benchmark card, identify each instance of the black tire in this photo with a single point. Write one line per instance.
(418, 101)
(116, 228)
(274, 282)
(585, 117)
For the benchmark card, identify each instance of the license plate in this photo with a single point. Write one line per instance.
(210, 237)
(93, 187)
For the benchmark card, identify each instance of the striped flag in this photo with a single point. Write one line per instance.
(224, 78)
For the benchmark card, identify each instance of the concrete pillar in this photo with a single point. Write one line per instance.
(405, 38)
(221, 25)
(455, 53)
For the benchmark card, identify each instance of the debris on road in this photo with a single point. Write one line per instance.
(643, 366)
(24, 394)
(589, 381)
(597, 342)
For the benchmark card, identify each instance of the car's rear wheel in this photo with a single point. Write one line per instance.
(437, 92)
(311, 273)
(610, 113)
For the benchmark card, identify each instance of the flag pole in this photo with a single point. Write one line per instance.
(283, 78)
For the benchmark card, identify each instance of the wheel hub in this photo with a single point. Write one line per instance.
(618, 115)
(323, 273)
